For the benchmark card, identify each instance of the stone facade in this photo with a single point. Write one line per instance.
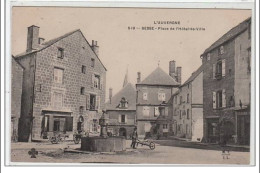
(63, 88)
(121, 110)
(153, 104)
(188, 108)
(226, 84)
(16, 90)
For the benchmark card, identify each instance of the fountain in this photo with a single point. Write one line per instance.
(103, 143)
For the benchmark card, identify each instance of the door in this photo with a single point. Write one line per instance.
(122, 132)
(56, 126)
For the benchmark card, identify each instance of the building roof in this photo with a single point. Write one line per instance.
(129, 93)
(46, 44)
(159, 77)
(193, 75)
(229, 35)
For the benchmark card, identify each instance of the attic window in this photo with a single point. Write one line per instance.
(60, 53)
(208, 56)
(92, 62)
(123, 103)
(221, 50)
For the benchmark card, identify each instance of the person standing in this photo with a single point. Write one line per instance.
(134, 138)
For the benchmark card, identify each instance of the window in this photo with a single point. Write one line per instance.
(188, 98)
(57, 100)
(92, 102)
(188, 114)
(231, 101)
(162, 111)
(249, 60)
(58, 75)
(145, 96)
(219, 99)
(161, 96)
(82, 90)
(122, 119)
(208, 56)
(220, 69)
(92, 62)
(60, 53)
(221, 50)
(165, 126)
(97, 81)
(94, 125)
(249, 30)
(156, 111)
(83, 69)
(123, 103)
(176, 99)
(81, 108)
(146, 111)
(180, 114)
(180, 99)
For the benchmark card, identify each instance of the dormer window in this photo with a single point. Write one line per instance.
(123, 103)
(60, 53)
(221, 50)
(208, 56)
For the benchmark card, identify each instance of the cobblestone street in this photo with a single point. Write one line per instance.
(170, 154)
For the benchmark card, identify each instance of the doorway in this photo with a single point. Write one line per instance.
(122, 132)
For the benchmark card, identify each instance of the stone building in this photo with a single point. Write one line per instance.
(227, 85)
(121, 110)
(188, 108)
(153, 101)
(63, 86)
(16, 94)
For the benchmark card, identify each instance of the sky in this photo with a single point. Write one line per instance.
(121, 48)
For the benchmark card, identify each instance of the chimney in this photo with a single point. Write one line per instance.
(32, 38)
(41, 40)
(179, 74)
(95, 47)
(172, 69)
(110, 94)
(138, 77)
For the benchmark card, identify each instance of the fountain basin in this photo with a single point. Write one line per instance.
(103, 144)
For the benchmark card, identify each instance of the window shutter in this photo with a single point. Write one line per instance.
(159, 96)
(87, 101)
(214, 100)
(119, 118)
(144, 110)
(147, 111)
(163, 96)
(223, 67)
(97, 102)
(214, 71)
(93, 79)
(125, 118)
(166, 111)
(90, 127)
(156, 111)
(144, 96)
(223, 98)
(101, 83)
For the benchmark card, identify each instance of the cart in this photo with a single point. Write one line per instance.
(147, 143)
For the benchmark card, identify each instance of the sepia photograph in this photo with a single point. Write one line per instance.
(131, 85)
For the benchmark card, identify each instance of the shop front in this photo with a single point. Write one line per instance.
(243, 126)
(56, 123)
